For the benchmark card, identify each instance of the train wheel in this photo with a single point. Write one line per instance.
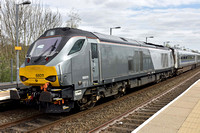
(121, 92)
(87, 102)
(118, 95)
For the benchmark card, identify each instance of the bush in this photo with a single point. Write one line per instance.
(6, 54)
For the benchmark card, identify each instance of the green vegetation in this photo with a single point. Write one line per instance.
(7, 53)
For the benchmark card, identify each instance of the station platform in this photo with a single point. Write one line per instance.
(182, 115)
(5, 94)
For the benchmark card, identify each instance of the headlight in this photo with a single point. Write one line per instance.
(51, 78)
(23, 78)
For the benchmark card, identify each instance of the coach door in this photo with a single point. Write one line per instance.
(94, 63)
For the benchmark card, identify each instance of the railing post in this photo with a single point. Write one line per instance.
(11, 68)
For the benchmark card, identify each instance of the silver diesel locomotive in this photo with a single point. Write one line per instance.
(67, 66)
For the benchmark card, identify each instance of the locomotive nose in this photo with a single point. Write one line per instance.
(38, 75)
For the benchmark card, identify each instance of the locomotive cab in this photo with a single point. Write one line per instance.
(48, 70)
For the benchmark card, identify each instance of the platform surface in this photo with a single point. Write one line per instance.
(5, 94)
(182, 115)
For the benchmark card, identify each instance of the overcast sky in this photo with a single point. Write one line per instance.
(177, 21)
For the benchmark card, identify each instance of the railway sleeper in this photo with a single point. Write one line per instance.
(134, 121)
(160, 104)
(155, 108)
(145, 113)
(174, 95)
(163, 103)
(165, 98)
(166, 102)
(18, 129)
(43, 120)
(149, 110)
(106, 131)
(33, 124)
(126, 125)
(119, 129)
(169, 98)
(138, 116)
(132, 125)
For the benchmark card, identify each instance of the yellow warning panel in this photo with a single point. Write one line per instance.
(18, 48)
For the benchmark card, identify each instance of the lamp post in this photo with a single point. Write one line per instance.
(165, 43)
(149, 37)
(17, 48)
(113, 28)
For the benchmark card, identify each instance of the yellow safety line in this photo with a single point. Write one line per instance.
(4, 91)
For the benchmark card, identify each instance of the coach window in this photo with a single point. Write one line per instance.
(77, 46)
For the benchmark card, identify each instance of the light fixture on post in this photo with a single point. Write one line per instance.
(149, 37)
(113, 28)
(17, 48)
(165, 43)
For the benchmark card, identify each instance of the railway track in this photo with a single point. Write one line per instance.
(13, 126)
(126, 122)
(41, 122)
(133, 118)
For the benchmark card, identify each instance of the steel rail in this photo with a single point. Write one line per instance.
(120, 117)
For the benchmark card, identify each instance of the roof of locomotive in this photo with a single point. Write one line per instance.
(66, 31)
(121, 40)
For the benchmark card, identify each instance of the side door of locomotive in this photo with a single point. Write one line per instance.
(94, 59)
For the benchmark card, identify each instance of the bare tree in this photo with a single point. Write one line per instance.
(0, 22)
(74, 19)
(33, 21)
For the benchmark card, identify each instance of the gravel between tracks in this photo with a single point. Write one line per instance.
(16, 114)
(94, 118)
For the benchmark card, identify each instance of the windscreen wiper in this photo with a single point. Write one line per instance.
(52, 48)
